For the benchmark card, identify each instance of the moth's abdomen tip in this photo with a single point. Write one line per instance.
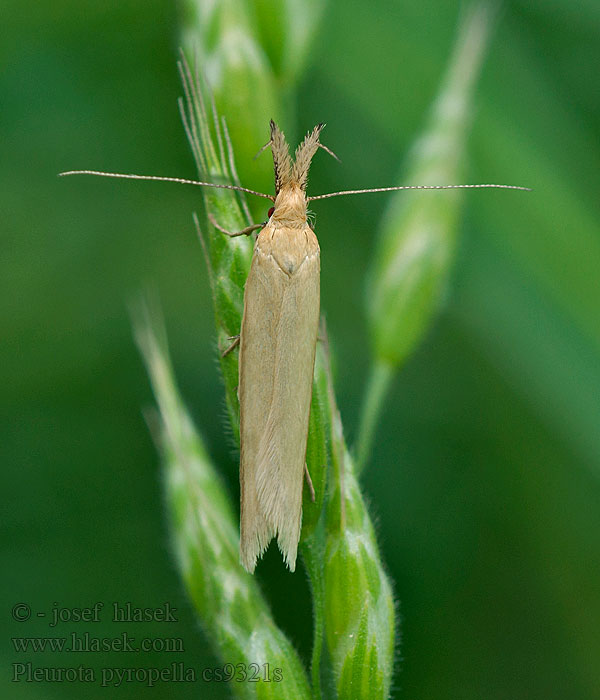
(289, 557)
(248, 565)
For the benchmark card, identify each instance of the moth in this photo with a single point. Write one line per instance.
(278, 339)
(277, 344)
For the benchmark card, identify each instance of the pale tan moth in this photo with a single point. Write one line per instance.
(277, 343)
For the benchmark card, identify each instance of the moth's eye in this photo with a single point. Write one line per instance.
(271, 210)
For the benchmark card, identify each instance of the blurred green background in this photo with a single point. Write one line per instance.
(485, 478)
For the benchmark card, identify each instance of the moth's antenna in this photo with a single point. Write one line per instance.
(418, 187)
(159, 178)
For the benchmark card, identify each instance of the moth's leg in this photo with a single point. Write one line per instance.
(244, 232)
(311, 488)
(236, 342)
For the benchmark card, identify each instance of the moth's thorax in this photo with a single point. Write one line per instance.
(290, 207)
(289, 247)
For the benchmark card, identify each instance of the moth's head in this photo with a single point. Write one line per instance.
(291, 176)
